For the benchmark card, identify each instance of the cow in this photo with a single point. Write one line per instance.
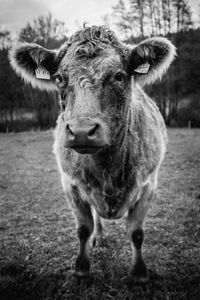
(110, 137)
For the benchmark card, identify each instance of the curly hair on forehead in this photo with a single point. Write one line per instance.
(91, 40)
(94, 33)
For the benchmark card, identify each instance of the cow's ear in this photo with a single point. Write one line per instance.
(150, 59)
(35, 64)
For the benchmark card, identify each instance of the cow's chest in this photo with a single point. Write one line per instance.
(110, 201)
(108, 207)
(108, 189)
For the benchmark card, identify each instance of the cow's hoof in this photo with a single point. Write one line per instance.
(81, 278)
(139, 273)
(140, 279)
(82, 267)
(133, 281)
(82, 274)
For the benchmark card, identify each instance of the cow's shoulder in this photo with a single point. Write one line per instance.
(147, 114)
(147, 133)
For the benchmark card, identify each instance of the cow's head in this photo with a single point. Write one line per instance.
(94, 74)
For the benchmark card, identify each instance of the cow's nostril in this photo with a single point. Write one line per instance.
(69, 129)
(93, 130)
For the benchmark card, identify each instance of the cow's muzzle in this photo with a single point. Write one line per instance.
(84, 136)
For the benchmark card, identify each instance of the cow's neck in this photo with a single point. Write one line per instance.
(112, 160)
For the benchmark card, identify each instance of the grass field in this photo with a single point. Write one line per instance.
(38, 243)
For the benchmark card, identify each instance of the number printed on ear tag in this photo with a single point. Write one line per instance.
(143, 69)
(42, 73)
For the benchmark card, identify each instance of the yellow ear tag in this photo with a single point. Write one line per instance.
(42, 73)
(143, 69)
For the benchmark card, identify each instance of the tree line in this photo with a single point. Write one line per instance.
(177, 95)
(151, 17)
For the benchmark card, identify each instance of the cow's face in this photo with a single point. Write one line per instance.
(95, 94)
(94, 74)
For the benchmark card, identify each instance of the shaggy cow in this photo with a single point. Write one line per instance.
(110, 137)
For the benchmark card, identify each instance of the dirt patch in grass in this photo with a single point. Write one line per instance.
(38, 242)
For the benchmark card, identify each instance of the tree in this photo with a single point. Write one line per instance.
(11, 93)
(182, 14)
(169, 13)
(138, 11)
(5, 38)
(46, 31)
(151, 11)
(122, 18)
(152, 17)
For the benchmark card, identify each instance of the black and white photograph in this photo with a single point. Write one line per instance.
(100, 150)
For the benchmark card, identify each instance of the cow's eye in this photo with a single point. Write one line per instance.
(59, 78)
(119, 76)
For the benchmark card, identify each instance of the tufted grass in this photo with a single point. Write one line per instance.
(38, 243)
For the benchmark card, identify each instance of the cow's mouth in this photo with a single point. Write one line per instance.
(86, 149)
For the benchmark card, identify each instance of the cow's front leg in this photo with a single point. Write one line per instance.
(97, 234)
(135, 233)
(84, 223)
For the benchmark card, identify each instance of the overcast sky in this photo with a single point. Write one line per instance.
(16, 13)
